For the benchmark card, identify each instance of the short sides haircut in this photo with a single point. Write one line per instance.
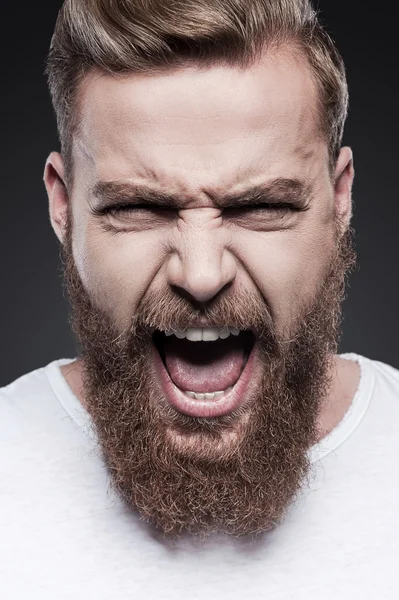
(150, 36)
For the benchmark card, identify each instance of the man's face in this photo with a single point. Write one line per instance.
(201, 135)
(199, 140)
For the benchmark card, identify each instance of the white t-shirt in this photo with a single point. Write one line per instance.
(64, 537)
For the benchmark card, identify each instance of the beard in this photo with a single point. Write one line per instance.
(236, 474)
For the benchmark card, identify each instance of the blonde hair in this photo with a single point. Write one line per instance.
(121, 36)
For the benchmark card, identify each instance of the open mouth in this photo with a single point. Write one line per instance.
(204, 372)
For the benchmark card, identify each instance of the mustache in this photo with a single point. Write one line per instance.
(166, 311)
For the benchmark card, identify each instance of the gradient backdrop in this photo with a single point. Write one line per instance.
(34, 313)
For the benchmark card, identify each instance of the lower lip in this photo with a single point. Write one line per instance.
(224, 405)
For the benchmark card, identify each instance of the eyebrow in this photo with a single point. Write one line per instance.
(280, 190)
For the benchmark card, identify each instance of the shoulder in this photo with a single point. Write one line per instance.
(377, 378)
(23, 402)
(380, 368)
(384, 372)
(28, 386)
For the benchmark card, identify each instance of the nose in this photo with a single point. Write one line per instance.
(202, 267)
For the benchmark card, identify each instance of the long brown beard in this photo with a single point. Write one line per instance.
(236, 474)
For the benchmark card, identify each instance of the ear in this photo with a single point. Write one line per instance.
(343, 181)
(54, 180)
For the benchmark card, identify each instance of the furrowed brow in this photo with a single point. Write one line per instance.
(278, 190)
(115, 192)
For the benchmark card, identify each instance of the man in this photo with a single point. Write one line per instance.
(208, 441)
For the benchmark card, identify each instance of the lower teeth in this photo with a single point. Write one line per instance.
(208, 396)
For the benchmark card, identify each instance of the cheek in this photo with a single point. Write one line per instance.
(288, 268)
(117, 269)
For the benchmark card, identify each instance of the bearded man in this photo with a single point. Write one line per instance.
(208, 441)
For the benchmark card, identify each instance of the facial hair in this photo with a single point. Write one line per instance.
(237, 474)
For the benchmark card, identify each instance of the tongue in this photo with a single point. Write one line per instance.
(204, 366)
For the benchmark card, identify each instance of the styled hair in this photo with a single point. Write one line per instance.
(122, 36)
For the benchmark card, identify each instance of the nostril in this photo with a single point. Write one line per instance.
(197, 299)
(201, 272)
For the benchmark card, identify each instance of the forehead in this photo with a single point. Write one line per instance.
(195, 128)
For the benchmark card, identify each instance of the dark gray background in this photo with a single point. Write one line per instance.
(34, 313)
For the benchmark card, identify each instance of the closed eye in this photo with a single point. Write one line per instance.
(116, 209)
(270, 206)
(126, 207)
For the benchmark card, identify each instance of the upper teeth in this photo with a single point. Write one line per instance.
(198, 334)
